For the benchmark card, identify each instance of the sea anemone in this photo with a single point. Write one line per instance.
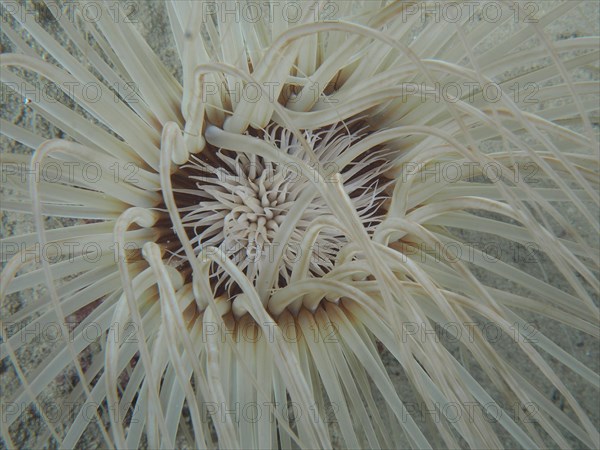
(291, 230)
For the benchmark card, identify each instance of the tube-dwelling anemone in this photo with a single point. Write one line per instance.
(295, 204)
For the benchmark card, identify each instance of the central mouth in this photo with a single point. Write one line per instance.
(260, 201)
(251, 210)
